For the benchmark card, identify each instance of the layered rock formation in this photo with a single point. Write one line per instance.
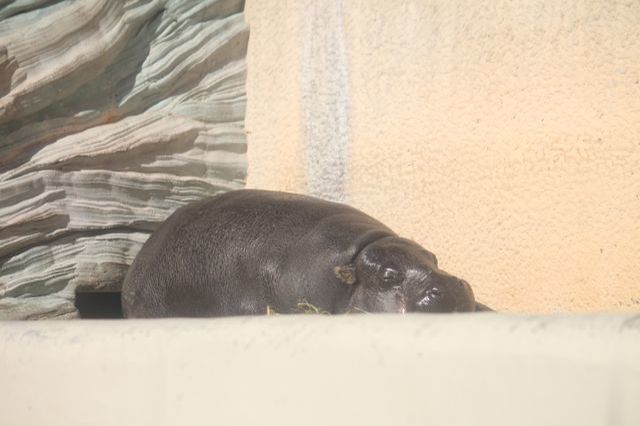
(112, 115)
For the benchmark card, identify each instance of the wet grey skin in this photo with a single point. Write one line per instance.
(247, 252)
(398, 275)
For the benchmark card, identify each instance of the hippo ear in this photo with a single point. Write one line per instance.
(433, 257)
(346, 273)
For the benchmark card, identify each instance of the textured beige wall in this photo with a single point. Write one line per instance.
(504, 136)
(273, 121)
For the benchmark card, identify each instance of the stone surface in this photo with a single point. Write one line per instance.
(112, 115)
(453, 370)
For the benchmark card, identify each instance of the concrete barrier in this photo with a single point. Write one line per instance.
(472, 369)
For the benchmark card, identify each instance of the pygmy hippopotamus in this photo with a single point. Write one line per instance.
(249, 251)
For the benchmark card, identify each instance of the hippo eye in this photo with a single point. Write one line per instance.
(390, 275)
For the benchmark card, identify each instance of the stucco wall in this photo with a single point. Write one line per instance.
(504, 136)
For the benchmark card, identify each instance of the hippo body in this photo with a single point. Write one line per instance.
(249, 251)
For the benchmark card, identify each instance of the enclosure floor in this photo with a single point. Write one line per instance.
(461, 369)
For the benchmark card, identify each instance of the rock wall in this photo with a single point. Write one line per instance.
(112, 115)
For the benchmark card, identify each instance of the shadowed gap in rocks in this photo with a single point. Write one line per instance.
(98, 305)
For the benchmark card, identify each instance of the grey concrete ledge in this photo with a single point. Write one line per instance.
(476, 369)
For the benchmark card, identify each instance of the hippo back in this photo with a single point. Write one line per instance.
(242, 251)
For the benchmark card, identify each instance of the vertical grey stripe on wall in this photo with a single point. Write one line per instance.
(325, 99)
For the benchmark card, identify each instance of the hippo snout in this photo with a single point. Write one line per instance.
(452, 295)
(429, 297)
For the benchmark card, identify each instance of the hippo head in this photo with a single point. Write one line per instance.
(394, 274)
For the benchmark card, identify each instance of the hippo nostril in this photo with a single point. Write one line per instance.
(429, 297)
(434, 293)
